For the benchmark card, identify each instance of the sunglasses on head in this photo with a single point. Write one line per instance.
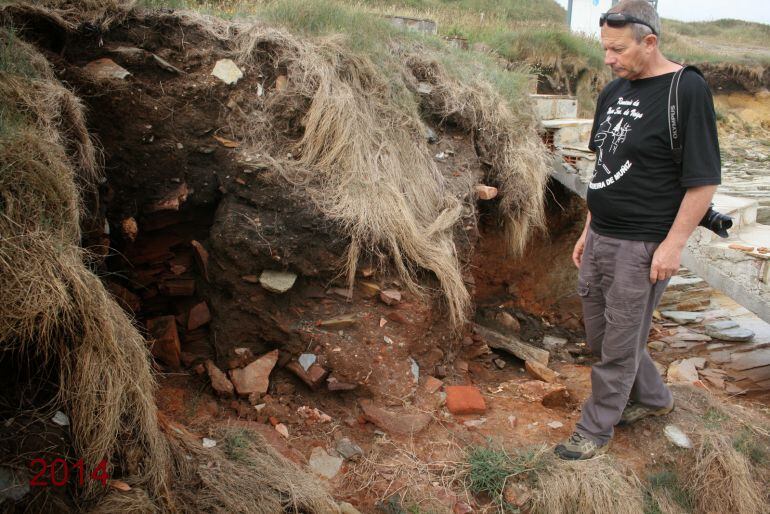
(617, 19)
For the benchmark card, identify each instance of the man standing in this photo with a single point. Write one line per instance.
(642, 209)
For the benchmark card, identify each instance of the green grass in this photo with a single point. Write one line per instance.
(713, 418)
(235, 444)
(746, 443)
(12, 59)
(490, 469)
(669, 482)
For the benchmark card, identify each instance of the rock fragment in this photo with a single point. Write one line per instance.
(227, 71)
(401, 422)
(347, 320)
(682, 372)
(313, 376)
(219, 381)
(390, 296)
(324, 464)
(277, 281)
(199, 316)
(729, 330)
(105, 69)
(486, 192)
(165, 340)
(348, 449)
(540, 372)
(254, 378)
(550, 395)
(683, 317)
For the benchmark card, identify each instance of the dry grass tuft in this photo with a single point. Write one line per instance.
(722, 479)
(70, 15)
(361, 155)
(592, 486)
(255, 479)
(361, 159)
(51, 305)
(506, 142)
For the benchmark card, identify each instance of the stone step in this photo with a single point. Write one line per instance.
(565, 132)
(741, 274)
(555, 107)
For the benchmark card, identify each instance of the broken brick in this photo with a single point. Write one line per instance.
(178, 287)
(313, 377)
(486, 192)
(390, 296)
(540, 372)
(199, 316)
(128, 300)
(254, 378)
(401, 421)
(165, 340)
(431, 384)
(465, 400)
(550, 395)
(130, 229)
(171, 201)
(333, 384)
(219, 381)
(201, 258)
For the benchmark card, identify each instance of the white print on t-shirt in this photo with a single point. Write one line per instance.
(611, 134)
(614, 178)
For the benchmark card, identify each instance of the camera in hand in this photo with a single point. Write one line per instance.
(716, 222)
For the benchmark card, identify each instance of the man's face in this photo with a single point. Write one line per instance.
(627, 58)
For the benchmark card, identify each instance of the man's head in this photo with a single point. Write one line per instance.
(629, 48)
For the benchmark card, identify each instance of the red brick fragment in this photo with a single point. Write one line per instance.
(201, 258)
(165, 340)
(199, 316)
(465, 400)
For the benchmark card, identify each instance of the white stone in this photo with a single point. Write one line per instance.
(415, 369)
(61, 419)
(674, 434)
(555, 424)
(682, 372)
(424, 88)
(281, 429)
(553, 343)
(277, 281)
(306, 360)
(209, 443)
(227, 71)
(324, 464)
(683, 317)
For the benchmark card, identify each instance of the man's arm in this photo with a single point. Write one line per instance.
(665, 262)
(577, 252)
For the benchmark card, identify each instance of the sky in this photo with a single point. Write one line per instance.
(707, 10)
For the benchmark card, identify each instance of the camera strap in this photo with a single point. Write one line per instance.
(674, 128)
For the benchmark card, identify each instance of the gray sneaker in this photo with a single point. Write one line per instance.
(578, 447)
(636, 411)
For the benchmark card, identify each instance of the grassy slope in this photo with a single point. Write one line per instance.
(532, 32)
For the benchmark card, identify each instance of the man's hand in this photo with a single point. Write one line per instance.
(665, 261)
(577, 253)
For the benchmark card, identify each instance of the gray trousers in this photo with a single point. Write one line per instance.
(618, 302)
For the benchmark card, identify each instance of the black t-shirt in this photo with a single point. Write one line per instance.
(636, 188)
